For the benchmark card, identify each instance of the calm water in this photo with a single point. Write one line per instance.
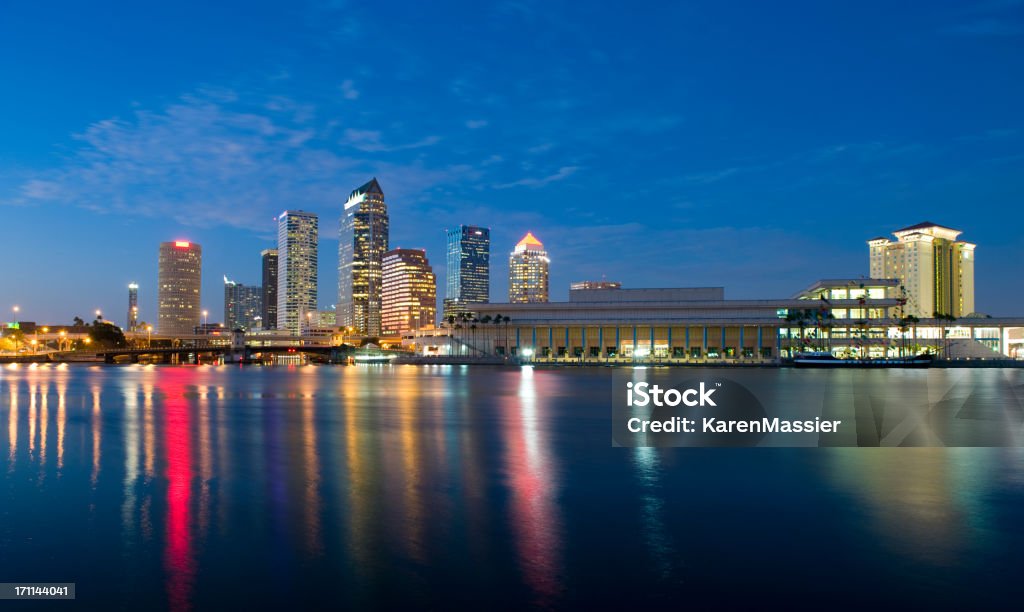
(202, 487)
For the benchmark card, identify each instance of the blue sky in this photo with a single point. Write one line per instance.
(749, 144)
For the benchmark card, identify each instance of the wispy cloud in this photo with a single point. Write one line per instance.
(563, 173)
(220, 158)
(348, 90)
(476, 124)
(372, 141)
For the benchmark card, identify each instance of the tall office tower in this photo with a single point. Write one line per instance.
(268, 314)
(362, 242)
(179, 283)
(133, 306)
(243, 304)
(409, 300)
(935, 269)
(469, 269)
(297, 235)
(528, 272)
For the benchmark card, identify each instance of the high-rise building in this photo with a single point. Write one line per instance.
(528, 272)
(242, 305)
(469, 269)
(362, 242)
(133, 306)
(268, 314)
(409, 300)
(180, 281)
(935, 270)
(297, 236)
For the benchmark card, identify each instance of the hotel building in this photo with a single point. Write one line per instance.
(362, 242)
(934, 268)
(528, 272)
(409, 299)
(242, 305)
(468, 279)
(178, 285)
(268, 299)
(297, 239)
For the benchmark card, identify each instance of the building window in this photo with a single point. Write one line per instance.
(595, 351)
(766, 352)
(610, 351)
(730, 352)
(748, 352)
(678, 352)
(694, 352)
(714, 353)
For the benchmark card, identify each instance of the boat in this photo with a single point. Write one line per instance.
(828, 360)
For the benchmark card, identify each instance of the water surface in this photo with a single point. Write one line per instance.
(203, 487)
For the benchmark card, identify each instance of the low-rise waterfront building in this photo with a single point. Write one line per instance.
(847, 317)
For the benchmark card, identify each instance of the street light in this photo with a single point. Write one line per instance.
(60, 342)
(205, 314)
(149, 336)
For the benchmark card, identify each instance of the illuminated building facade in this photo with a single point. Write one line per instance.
(133, 306)
(362, 242)
(528, 272)
(935, 269)
(242, 305)
(850, 318)
(297, 239)
(469, 269)
(594, 285)
(268, 299)
(178, 287)
(409, 300)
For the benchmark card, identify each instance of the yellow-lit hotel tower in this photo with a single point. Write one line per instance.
(528, 272)
(935, 269)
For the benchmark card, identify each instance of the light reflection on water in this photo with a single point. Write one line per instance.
(180, 487)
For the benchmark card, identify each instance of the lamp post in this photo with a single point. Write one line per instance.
(206, 313)
(60, 341)
(149, 336)
(99, 314)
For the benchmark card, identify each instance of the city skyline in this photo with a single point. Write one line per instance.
(769, 137)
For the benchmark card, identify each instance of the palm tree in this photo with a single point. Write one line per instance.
(451, 332)
(798, 316)
(484, 320)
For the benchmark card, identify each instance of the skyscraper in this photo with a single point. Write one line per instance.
(268, 313)
(935, 269)
(180, 280)
(528, 272)
(133, 306)
(469, 268)
(297, 236)
(409, 300)
(362, 242)
(242, 305)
